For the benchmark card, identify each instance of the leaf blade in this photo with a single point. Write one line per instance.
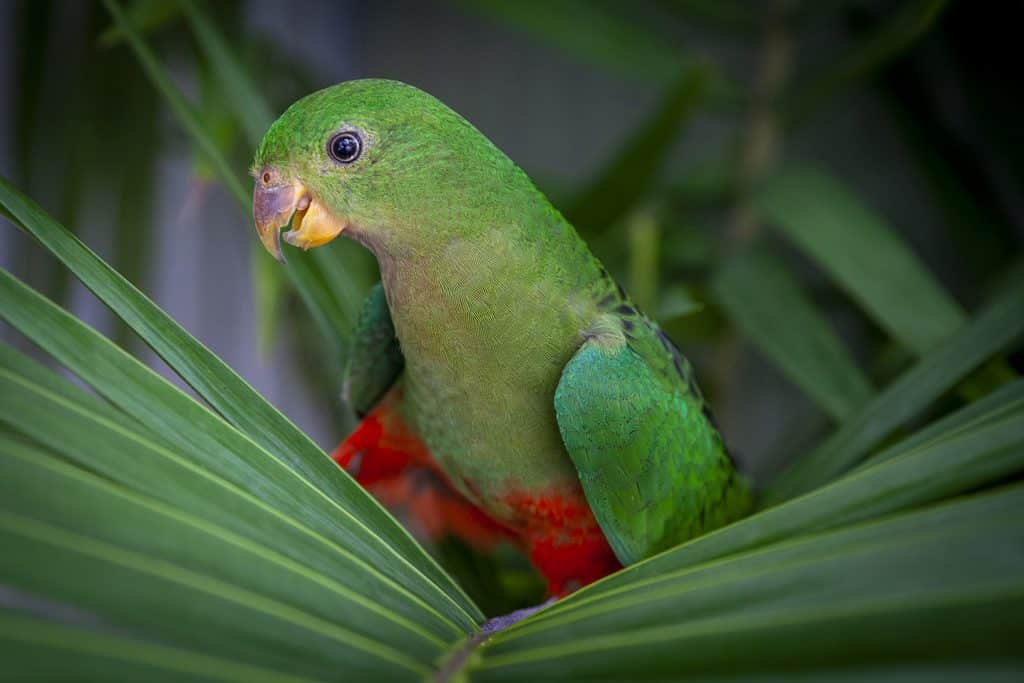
(219, 386)
(862, 255)
(888, 597)
(999, 325)
(765, 302)
(59, 652)
(207, 440)
(99, 438)
(144, 535)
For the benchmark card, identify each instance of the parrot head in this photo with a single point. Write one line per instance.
(382, 160)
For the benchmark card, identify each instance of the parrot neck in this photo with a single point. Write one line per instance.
(514, 292)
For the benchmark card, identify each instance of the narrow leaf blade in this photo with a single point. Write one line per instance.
(766, 304)
(863, 256)
(997, 327)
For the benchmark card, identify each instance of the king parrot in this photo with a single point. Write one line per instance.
(497, 359)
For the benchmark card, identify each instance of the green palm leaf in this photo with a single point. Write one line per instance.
(168, 412)
(768, 306)
(994, 329)
(944, 584)
(61, 546)
(863, 255)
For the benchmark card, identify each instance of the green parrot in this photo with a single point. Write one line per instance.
(497, 356)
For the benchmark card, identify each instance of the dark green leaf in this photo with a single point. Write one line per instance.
(299, 481)
(628, 176)
(767, 305)
(1003, 402)
(941, 586)
(144, 16)
(994, 329)
(733, 17)
(891, 39)
(247, 102)
(140, 564)
(863, 255)
(599, 33)
(308, 569)
(39, 650)
(181, 108)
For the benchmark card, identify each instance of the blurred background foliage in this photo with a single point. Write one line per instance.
(809, 196)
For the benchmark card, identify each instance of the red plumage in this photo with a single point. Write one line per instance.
(562, 539)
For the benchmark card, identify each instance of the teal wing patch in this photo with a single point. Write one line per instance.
(653, 467)
(375, 359)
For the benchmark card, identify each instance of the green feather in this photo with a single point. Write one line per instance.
(375, 359)
(652, 465)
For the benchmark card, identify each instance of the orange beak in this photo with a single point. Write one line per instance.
(274, 204)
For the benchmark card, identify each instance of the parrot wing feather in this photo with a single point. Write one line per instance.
(375, 359)
(652, 465)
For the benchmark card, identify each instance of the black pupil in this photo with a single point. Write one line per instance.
(346, 147)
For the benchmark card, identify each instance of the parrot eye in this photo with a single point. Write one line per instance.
(345, 147)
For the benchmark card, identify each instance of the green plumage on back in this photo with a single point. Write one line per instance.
(527, 372)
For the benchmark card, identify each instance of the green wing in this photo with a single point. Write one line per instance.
(652, 465)
(375, 359)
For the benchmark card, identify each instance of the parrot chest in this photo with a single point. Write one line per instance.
(484, 349)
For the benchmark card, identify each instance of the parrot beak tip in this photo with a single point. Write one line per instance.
(273, 207)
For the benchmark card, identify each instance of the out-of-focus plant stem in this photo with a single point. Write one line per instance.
(761, 136)
(759, 149)
(644, 246)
